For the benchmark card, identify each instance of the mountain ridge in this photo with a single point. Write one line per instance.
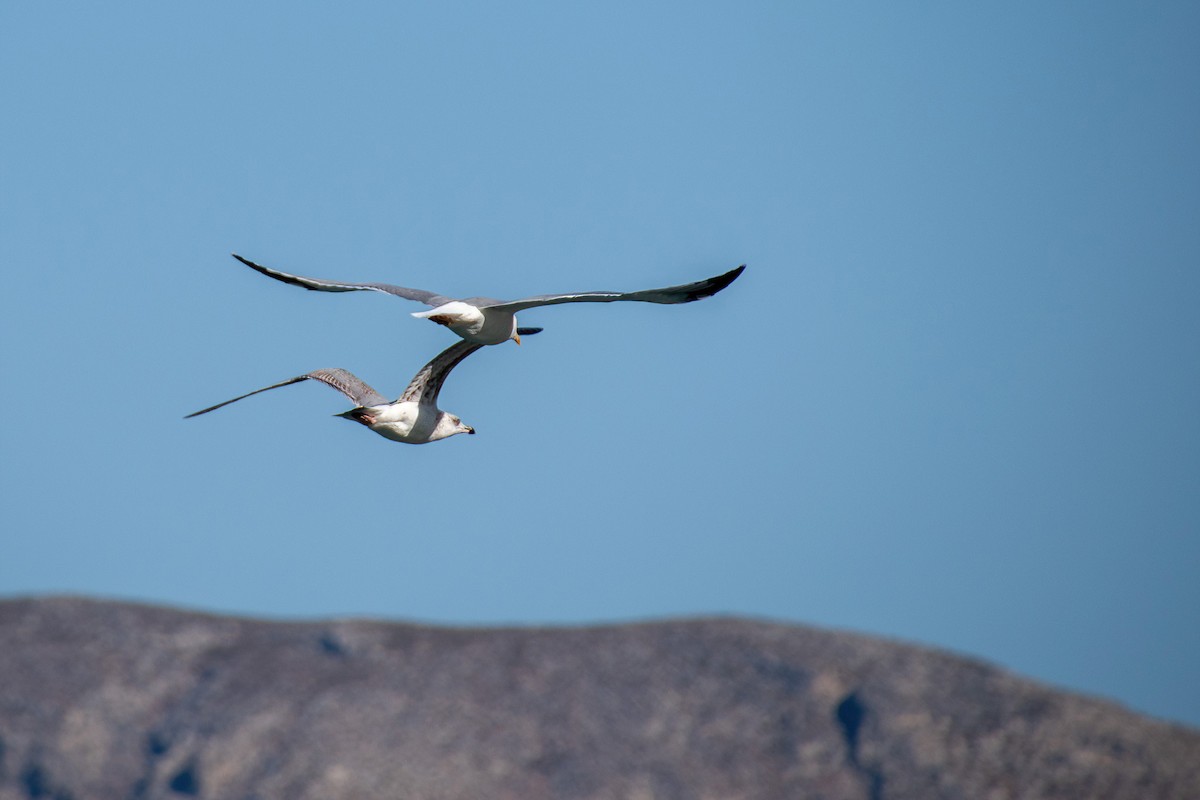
(103, 699)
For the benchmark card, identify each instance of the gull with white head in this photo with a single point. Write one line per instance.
(483, 320)
(414, 418)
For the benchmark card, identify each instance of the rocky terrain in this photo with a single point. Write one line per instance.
(127, 702)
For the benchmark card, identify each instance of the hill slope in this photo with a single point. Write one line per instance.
(109, 700)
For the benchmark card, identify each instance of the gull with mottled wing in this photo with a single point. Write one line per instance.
(483, 320)
(414, 418)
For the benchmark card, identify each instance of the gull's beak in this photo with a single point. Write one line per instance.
(470, 430)
(517, 338)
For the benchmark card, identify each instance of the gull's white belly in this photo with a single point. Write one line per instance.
(472, 323)
(405, 422)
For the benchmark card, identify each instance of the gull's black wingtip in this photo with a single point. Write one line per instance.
(728, 278)
(529, 331)
(713, 285)
(282, 277)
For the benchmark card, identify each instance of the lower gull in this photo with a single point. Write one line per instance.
(414, 418)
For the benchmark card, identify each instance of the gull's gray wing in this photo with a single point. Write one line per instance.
(350, 385)
(344, 381)
(316, 284)
(428, 381)
(684, 293)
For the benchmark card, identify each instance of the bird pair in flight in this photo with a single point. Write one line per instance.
(414, 418)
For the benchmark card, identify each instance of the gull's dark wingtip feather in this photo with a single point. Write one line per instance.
(713, 285)
(529, 331)
(252, 265)
(282, 277)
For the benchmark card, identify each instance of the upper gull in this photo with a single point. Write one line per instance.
(483, 320)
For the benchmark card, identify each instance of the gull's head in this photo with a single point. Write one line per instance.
(515, 336)
(449, 425)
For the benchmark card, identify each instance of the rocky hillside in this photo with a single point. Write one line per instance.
(115, 701)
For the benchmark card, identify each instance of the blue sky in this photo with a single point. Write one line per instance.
(953, 400)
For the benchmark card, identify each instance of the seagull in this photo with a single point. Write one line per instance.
(483, 320)
(414, 418)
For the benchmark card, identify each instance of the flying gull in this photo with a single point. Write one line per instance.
(483, 320)
(414, 418)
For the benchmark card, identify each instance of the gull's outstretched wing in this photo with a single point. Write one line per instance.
(316, 284)
(428, 381)
(344, 381)
(685, 293)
